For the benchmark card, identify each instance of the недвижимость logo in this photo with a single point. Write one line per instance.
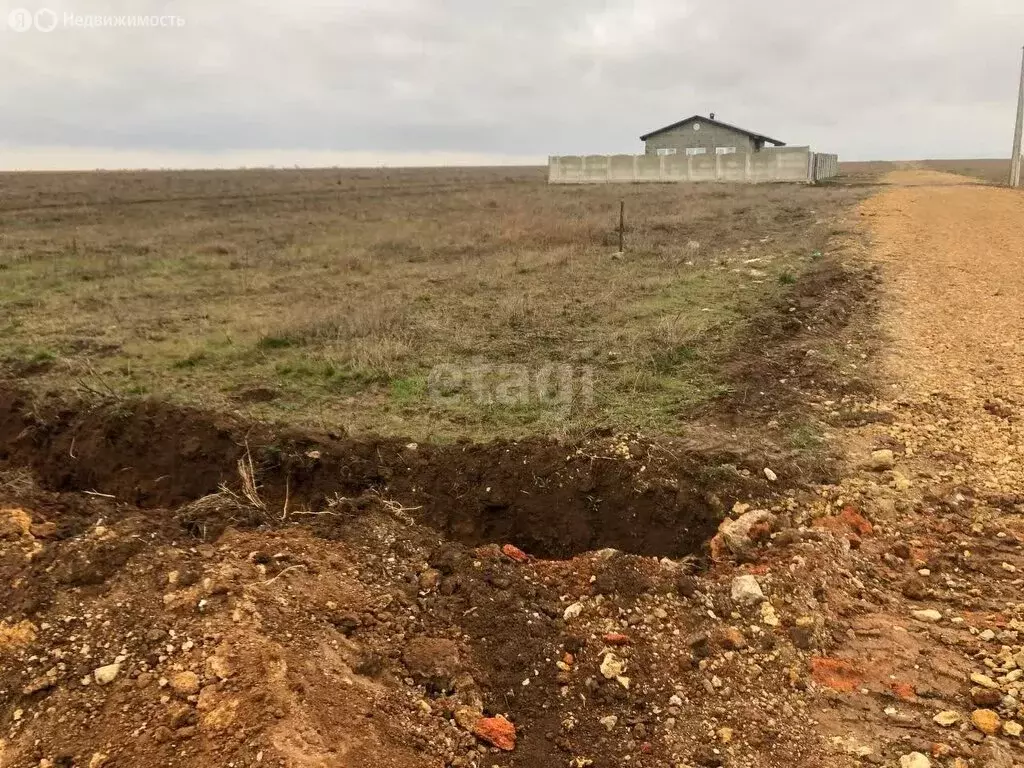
(47, 20)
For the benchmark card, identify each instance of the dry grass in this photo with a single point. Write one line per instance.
(993, 171)
(328, 297)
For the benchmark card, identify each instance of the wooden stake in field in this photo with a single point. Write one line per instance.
(1015, 161)
(622, 227)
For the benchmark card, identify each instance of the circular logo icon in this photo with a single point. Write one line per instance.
(46, 20)
(20, 20)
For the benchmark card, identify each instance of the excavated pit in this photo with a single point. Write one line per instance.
(545, 497)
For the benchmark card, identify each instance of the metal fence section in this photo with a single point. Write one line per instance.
(824, 166)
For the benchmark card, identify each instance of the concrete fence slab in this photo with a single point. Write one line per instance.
(793, 164)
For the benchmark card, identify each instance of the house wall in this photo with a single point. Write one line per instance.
(709, 136)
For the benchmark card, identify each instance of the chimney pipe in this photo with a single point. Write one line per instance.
(712, 115)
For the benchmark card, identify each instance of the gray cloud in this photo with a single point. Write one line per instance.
(876, 78)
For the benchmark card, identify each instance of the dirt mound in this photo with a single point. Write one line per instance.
(809, 344)
(548, 497)
(126, 642)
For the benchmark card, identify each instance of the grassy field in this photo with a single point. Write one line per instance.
(993, 171)
(427, 303)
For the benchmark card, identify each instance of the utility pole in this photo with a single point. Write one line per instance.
(1015, 161)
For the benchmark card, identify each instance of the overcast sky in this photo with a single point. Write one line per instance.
(369, 82)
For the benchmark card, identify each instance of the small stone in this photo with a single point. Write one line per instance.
(772, 477)
(915, 760)
(573, 611)
(1013, 729)
(768, 615)
(987, 636)
(612, 666)
(915, 588)
(733, 640)
(14, 523)
(986, 697)
(708, 757)
(986, 721)
(467, 718)
(930, 616)
(882, 461)
(219, 667)
(496, 731)
(44, 530)
(185, 683)
(984, 681)
(98, 760)
(725, 735)
(429, 580)
(106, 675)
(515, 553)
(947, 719)
(609, 722)
(741, 536)
(617, 639)
(746, 591)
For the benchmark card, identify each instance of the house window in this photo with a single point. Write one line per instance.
(667, 150)
(696, 151)
(725, 150)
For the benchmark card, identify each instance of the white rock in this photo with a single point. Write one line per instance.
(768, 615)
(930, 616)
(947, 719)
(772, 477)
(106, 675)
(984, 681)
(612, 666)
(735, 534)
(609, 722)
(988, 636)
(573, 611)
(882, 460)
(746, 591)
(1012, 729)
(915, 760)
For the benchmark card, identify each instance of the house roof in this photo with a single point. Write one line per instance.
(705, 119)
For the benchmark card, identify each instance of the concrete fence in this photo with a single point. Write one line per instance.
(796, 164)
(824, 166)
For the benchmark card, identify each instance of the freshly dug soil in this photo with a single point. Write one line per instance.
(547, 497)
